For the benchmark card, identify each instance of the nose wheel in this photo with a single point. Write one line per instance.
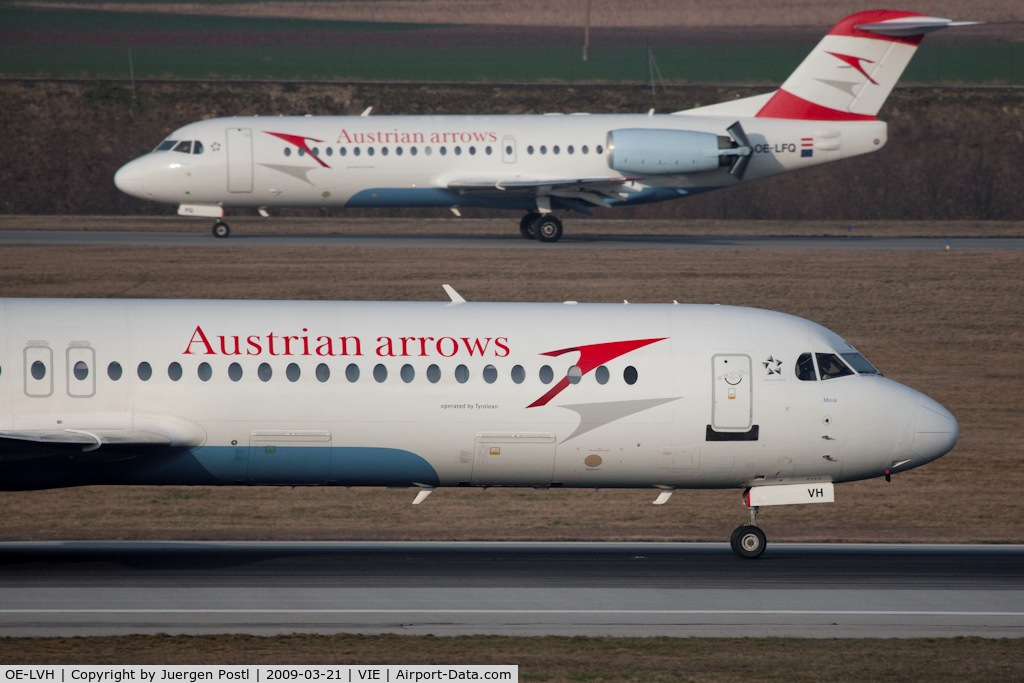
(221, 229)
(748, 541)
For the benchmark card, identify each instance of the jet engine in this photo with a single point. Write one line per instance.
(653, 151)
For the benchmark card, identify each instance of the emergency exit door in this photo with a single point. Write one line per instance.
(733, 393)
(239, 159)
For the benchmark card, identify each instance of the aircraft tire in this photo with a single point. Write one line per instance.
(526, 225)
(748, 541)
(547, 229)
(221, 229)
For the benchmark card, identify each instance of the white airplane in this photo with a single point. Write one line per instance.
(425, 395)
(825, 111)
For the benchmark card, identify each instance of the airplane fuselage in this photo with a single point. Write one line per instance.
(427, 161)
(429, 394)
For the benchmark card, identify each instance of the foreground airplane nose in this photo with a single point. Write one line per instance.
(937, 431)
(129, 179)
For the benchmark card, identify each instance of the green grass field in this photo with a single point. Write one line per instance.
(80, 43)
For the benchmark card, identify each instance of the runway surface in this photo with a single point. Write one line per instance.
(615, 589)
(189, 239)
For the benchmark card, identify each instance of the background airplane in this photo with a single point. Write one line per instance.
(825, 111)
(296, 393)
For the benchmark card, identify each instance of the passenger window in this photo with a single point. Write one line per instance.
(355, 151)
(830, 366)
(443, 150)
(630, 375)
(860, 364)
(600, 149)
(398, 151)
(602, 375)
(81, 370)
(205, 372)
(490, 374)
(428, 151)
(546, 374)
(264, 372)
(518, 374)
(197, 147)
(462, 374)
(434, 374)
(234, 372)
(352, 372)
(408, 373)
(302, 152)
(383, 151)
(574, 374)
(458, 150)
(380, 373)
(330, 151)
(145, 371)
(114, 371)
(488, 150)
(584, 149)
(555, 149)
(412, 151)
(174, 371)
(343, 152)
(569, 149)
(315, 151)
(543, 149)
(805, 368)
(38, 370)
(323, 373)
(287, 151)
(529, 149)
(292, 372)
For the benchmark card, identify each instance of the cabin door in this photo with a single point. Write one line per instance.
(513, 459)
(732, 410)
(239, 160)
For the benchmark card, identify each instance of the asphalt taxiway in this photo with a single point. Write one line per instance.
(614, 589)
(195, 239)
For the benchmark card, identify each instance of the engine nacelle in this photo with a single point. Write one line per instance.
(651, 151)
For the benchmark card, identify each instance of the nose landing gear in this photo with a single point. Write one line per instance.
(221, 229)
(748, 541)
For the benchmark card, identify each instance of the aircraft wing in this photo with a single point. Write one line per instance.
(114, 439)
(591, 190)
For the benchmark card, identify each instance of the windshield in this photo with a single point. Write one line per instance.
(830, 366)
(860, 364)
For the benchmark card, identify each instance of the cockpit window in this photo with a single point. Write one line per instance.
(184, 146)
(805, 368)
(831, 366)
(860, 364)
(197, 147)
(165, 145)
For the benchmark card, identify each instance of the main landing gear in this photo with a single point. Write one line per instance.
(542, 227)
(748, 541)
(221, 229)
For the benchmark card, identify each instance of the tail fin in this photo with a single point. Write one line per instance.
(853, 69)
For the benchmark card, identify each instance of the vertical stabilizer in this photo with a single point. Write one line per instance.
(853, 69)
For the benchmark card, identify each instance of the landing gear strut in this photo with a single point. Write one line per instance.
(221, 229)
(748, 541)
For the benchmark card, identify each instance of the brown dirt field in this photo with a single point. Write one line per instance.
(947, 323)
(504, 227)
(604, 13)
(952, 660)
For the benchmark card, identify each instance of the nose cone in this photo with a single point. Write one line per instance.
(129, 179)
(936, 433)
